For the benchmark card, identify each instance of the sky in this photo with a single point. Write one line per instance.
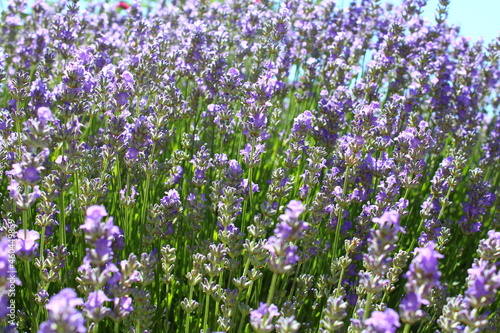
(476, 18)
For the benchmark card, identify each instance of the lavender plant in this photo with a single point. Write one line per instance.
(247, 166)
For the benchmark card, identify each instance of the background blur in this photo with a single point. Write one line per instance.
(477, 18)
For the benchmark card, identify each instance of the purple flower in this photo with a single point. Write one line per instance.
(25, 200)
(303, 123)
(63, 315)
(234, 170)
(5, 268)
(114, 234)
(291, 257)
(28, 174)
(44, 115)
(92, 225)
(251, 155)
(483, 284)
(106, 238)
(383, 322)
(31, 174)
(294, 209)
(412, 302)
(390, 221)
(96, 213)
(262, 318)
(171, 198)
(282, 255)
(14, 189)
(259, 120)
(246, 151)
(128, 200)
(479, 290)
(426, 263)
(199, 174)
(103, 252)
(61, 160)
(489, 249)
(122, 307)
(256, 126)
(382, 242)
(8, 277)
(233, 73)
(291, 228)
(274, 245)
(132, 153)
(127, 77)
(283, 230)
(4, 305)
(121, 97)
(26, 245)
(94, 308)
(422, 276)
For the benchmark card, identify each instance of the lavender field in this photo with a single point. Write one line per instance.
(247, 166)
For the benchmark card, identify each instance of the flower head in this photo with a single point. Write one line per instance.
(44, 114)
(262, 318)
(63, 315)
(94, 308)
(26, 245)
(383, 322)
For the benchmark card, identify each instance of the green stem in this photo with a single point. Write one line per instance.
(42, 243)
(62, 226)
(221, 279)
(27, 267)
(384, 297)
(337, 293)
(207, 303)
(186, 330)
(368, 305)
(138, 325)
(18, 130)
(294, 283)
(249, 292)
(245, 208)
(340, 214)
(77, 189)
(167, 301)
(145, 205)
(250, 191)
(247, 264)
(256, 294)
(272, 289)
(421, 224)
(407, 328)
(242, 324)
(101, 178)
(250, 188)
(127, 226)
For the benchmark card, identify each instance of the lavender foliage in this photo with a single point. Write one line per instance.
(239, 166)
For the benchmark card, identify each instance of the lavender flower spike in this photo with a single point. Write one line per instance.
(63, 316)
(382, 322)
(422, 277)
(291, 227)
(92, 226)
(94, 308)
(262, 318)
(26, 245)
